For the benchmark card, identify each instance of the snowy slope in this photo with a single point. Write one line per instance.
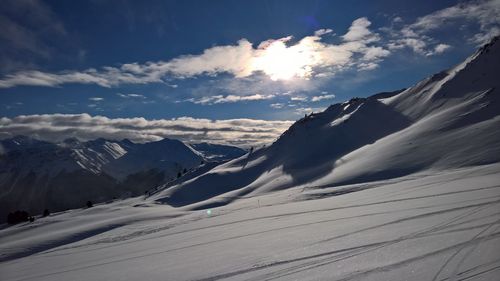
(94, 155)
(428, 226)
(167, 155)
(448, 120)
(218, 152)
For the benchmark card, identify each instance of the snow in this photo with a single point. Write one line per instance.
(114, 149)
(167, 155)
(345, 116)
(428, 226)
(405, 187)
(217, 152)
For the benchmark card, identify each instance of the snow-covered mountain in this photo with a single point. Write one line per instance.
(218, 152)
(448, 120)
(168, 155)
(37, 174)
(396, 186)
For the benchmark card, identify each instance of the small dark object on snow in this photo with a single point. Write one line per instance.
(89, 204)
(46, 212)
(32, 219)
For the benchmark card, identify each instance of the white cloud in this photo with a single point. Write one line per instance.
(485, 35)
(397, 19)
(96, 99)
(323, 31)
(233, 59)
(277, 105)
(416, 44)
(359, 31)
(322, 97)
(308, 110)
(56, 127)
(299, 98)
(375, 53)
(417, 36)
(125, 96)
(279, 59)
(367, 66)
(485, 13)
(439, 49)
(136, 96)
(228, 99)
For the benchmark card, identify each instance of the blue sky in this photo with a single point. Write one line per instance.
(223, 60)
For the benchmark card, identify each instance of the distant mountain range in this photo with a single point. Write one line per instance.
(36, 174)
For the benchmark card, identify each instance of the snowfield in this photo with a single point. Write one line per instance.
(429, 226)
(397, 186)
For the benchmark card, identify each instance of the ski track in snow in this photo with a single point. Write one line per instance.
(423, 211)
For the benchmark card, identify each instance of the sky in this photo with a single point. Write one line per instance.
(232, 72)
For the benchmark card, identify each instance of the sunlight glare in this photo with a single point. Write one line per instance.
(280, 62)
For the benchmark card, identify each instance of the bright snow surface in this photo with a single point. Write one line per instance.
(428, 226)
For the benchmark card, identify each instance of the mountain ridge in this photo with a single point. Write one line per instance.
(36, 174)
(447, 120)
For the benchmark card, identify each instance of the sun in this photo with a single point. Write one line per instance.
(281, 62)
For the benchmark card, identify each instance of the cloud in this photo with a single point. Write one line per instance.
(277, 105)
(323, 31)
(367, 66)
(228, 99)
(359, 31)
(417, 45)
(56, 127)
(256, 84)
(299, 98)
(397, 19)
(308, 110)
(360, 48)
(439, 49)
(38, 78)
(96, 99)
(375, 53)
(279, 59)
(234, 59)
(417, 36)
(322, 97)
(126, 96)
(485, 13)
